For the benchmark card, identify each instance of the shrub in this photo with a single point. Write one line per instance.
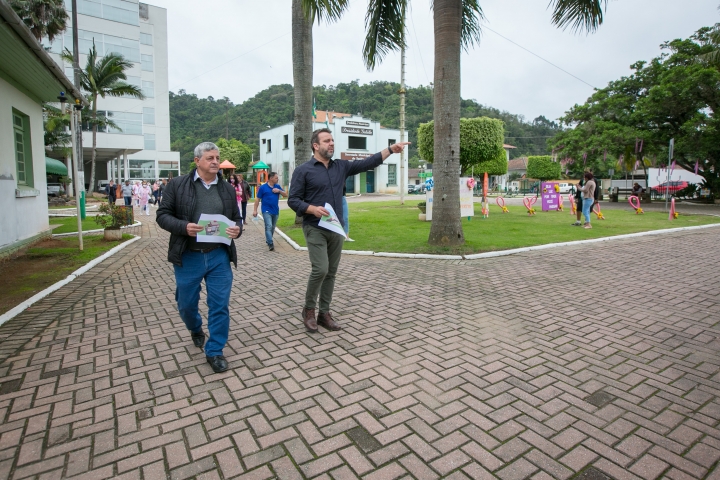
(481, 145)
(113, 216)
(543, 168)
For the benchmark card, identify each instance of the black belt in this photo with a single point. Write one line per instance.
(205, 250)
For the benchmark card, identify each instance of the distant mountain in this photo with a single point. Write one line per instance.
(194, 119)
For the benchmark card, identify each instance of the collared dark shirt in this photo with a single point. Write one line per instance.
(313, 184)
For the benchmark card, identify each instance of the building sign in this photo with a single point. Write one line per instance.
(357, 124)
(353, 155)
(357, 131)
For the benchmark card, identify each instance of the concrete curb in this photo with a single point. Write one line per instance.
(93, 232)
(40, 295)
(502, 253)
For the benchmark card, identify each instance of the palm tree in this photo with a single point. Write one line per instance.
(44, 18)
(456, 26)
(103, 77)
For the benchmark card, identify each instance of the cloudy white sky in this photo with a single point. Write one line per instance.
(236, 48)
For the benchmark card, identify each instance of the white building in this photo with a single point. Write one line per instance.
(355, 138)
(28, 77)
(139, 32)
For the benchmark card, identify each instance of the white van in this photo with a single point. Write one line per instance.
(102, 184)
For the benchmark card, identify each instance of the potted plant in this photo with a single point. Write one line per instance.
(111, 218)
(422, 206)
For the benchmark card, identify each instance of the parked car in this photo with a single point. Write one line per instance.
(674, 186)
(54, 189)
(416, 189)
(565, 187)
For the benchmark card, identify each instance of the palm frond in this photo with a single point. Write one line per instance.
(712, 57)
(472, 15)
(328, 10)
(385, 25)
(119, 89)
(579, 15)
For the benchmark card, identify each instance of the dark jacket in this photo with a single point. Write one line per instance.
(246, 190)
(175, 212)
(313, 184)
(111, 191)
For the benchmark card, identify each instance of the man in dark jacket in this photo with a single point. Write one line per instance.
(315, 183)
(111, 191)
(184, 199)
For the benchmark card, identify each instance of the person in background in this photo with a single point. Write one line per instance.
(588, 197)
(161, 188)
(136, 193)
(244, 196)
(156, 192)
(269, 194)
(346, 216)
(127, 193)
(637, 190)
(144, 194)
(111, 191)
(578, 203)
(233, 180)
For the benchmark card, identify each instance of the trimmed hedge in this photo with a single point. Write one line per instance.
(543, 168)
(481, 145)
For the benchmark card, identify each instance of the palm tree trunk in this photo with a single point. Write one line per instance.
(446, 228)
(302, 51)
(94, 145)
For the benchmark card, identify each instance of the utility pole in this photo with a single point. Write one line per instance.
(403, 187)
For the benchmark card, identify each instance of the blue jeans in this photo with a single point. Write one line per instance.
(346, 217)
(270, 222)
(214, 267)
(128, 201)
(587, 204)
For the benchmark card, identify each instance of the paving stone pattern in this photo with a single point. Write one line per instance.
(596, 361)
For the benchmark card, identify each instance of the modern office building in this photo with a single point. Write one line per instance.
(138, 31)
(355, 138)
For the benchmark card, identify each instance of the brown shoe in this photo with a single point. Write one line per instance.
(309, 319)
(326, 320)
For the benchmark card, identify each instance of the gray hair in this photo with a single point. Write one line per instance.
(205, 147)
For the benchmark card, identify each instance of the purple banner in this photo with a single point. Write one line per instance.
(550, 196)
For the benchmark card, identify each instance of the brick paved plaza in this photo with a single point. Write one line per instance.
(596, 361)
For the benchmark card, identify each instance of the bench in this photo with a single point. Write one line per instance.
(617, 191)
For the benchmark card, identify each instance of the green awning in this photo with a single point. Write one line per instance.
(55, 167)
(260, 165)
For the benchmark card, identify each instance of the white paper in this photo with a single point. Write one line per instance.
(331, 222)
(214, 231)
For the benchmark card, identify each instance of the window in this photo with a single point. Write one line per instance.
(148, 89)
(116, 10)
(146, 63)
(269, 145)
(23, 153)
(149, 141)
(392, 142)
(146, 39)
(104, 44)
(167, 169)
(358, 143)
(127, 123)
(148, 116)
(392, 174)
(286, 141)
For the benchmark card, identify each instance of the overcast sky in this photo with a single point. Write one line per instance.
(236, 48)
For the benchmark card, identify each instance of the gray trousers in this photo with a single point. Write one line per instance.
(324, 248)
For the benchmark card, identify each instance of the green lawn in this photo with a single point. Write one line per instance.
(69, 224)
(390, 227)
(48, 262)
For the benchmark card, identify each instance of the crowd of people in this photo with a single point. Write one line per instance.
(141, 193)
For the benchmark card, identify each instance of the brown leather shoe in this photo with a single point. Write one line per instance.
(309, 320)
(326, 320)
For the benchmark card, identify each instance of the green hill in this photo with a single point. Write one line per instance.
(194, 119)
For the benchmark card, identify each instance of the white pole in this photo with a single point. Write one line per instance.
(76, 177)
(403, 187)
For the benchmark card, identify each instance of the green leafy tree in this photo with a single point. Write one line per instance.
(543, 167)
(481, 145)
(633, 119)
(236, 152)
(44, 18)
(103, 77)
(57, 125)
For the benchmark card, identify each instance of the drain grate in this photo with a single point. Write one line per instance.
(599, 399)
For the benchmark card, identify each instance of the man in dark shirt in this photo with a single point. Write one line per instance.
(315, 183)
(185, 199)
(111, 191)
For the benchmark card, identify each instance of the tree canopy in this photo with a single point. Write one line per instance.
(44, 18)
(543, 167)
(632, 120)
(194, 119)
(481, 145)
